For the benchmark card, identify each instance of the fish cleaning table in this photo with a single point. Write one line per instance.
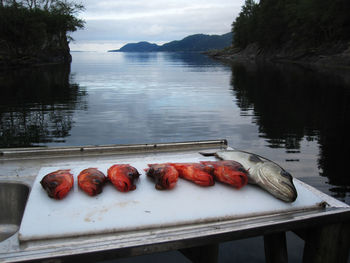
(147, 220)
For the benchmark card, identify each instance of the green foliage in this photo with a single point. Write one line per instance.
(302, 22)
(244, 28)
(28, 27)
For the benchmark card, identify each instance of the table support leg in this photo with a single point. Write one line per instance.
(202, 254)
(276, 248)
(327, 244)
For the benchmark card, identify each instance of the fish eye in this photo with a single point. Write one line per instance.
(131, 174)
(242, 170)
(286, 174)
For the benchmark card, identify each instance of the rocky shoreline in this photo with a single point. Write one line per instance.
(328, 55)
(9, 60)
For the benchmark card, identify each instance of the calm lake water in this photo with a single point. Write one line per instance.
(292, 115)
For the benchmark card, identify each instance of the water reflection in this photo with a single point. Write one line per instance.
(291, 103)
(191, 59)
(139, 98)
(141, 57)
(36, 105)
(185, 59)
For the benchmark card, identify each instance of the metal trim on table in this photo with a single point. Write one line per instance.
(47, 152)
(156, 240)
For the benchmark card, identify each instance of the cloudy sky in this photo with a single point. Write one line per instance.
(112, 23)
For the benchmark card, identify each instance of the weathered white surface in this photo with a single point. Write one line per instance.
(146, 207)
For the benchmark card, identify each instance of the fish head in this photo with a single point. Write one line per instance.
(278, 181)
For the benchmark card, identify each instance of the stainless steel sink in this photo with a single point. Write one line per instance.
(13, 198)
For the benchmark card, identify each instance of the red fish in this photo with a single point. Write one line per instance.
(229, 172)
(57, 184)
(195, 172)
(123, 176)
(91, 181)
(165, 175)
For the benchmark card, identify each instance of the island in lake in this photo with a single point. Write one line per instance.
(195, 43)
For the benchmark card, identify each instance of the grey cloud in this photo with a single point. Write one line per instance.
(155, 20)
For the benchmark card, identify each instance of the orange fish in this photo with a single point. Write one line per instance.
(229, 172)
(165, 175)
(57, 184)
(195, 172)
(123, 176)
(91, 181)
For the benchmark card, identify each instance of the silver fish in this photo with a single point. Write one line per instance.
(264, 173)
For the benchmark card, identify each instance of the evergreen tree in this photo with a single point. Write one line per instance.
(308, 23)
(244, 28)
(29, 26)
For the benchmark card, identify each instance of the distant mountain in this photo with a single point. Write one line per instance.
(138, 47)
(197, 42)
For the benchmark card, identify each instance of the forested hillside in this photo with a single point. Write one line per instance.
(192, 43)
(302, 22)
(198, 42)
(305, 31)
(35, 31)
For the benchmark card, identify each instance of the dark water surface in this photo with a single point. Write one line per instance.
(295, 116)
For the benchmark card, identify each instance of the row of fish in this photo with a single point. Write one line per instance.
(236, 168)
(203, 173)
(57, 184)
(91, 180)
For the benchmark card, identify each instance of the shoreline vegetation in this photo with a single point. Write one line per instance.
(35, 32)
(304, 31)
(336, 55)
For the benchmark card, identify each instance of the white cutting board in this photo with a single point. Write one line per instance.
(112, 211)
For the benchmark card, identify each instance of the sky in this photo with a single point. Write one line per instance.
(110, 24)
